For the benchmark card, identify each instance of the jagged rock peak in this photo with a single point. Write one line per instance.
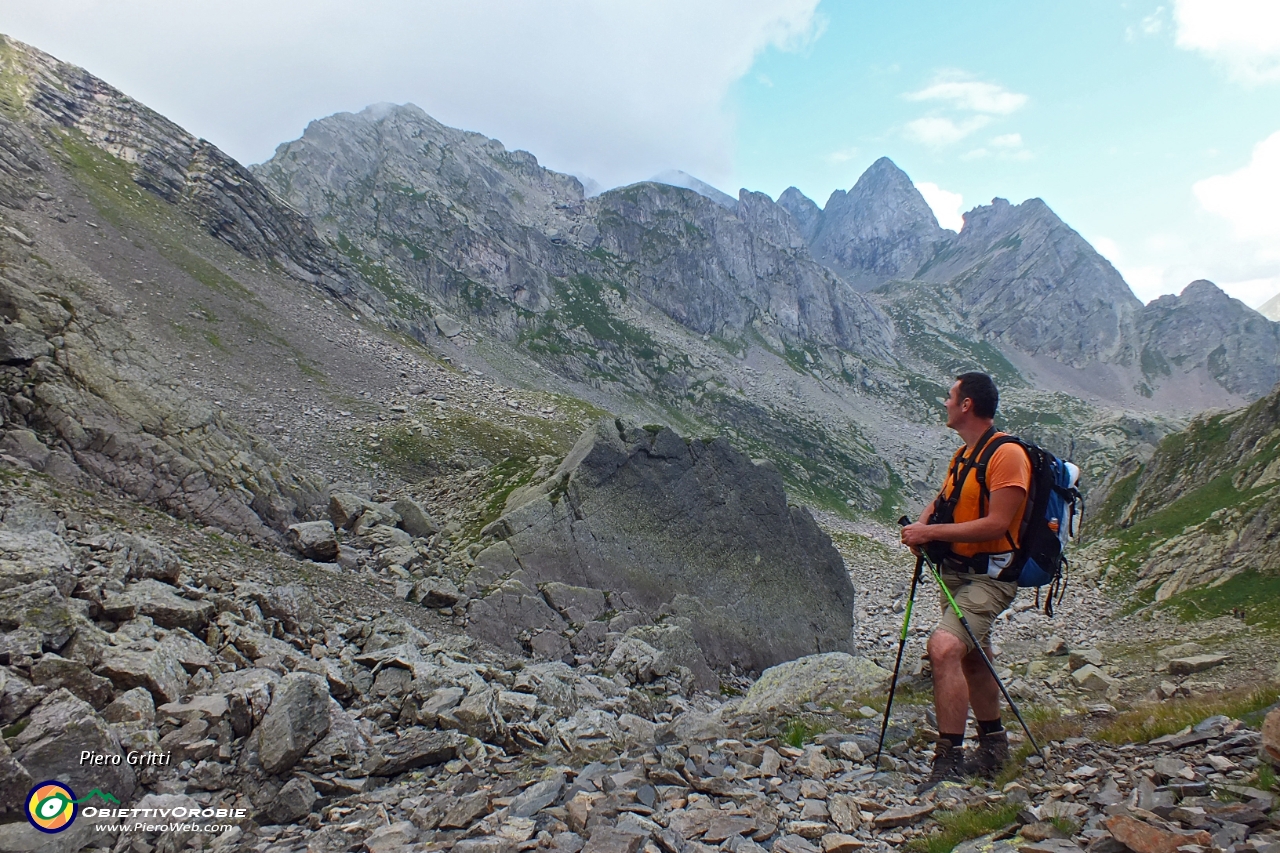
(803, 210)
(880, 229)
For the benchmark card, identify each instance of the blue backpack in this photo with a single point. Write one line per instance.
(1048, 521)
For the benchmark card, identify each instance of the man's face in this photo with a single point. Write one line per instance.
(954, 405)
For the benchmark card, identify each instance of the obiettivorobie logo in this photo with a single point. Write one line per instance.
(52, 805)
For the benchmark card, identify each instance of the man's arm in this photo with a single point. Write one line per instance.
(1004, 505)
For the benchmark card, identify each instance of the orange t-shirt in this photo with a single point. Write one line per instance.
(1009, 466)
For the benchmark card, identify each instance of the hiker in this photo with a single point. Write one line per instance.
(979, 525)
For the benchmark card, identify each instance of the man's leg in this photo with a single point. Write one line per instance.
(984, 693)
(951, 706)
(951, 684)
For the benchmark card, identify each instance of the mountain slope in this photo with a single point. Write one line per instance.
(1204, 509)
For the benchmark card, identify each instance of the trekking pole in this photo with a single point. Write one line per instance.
(902, 645)
(964, 623)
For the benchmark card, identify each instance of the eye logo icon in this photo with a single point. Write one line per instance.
(51, 806)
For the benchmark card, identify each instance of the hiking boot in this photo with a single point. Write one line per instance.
(948, 766)
(990, 756)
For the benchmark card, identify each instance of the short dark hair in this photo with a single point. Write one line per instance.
(981, 389)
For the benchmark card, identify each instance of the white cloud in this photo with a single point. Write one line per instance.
(1151, 25)
(844, 155)
(1008, 140)
(1243, 35)
(972, 95)
(1248, 198)
(947, 206)
(936, 130)
(619, 91)
(1108, 248)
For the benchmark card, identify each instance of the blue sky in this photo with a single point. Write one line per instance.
(1115, 125)
(1151, 126)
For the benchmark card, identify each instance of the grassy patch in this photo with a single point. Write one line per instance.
(1265, 779)
(1151, 720)
(800, 731)
(1254, 592)
(1048, 725)
(963, 824)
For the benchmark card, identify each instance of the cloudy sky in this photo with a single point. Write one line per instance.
(1151, 126)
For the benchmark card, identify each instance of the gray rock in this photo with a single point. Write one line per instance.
(293, 803)
(132, 706)
(344, 509)
(436, 592)
(414, 519)
(576, 604)
(826, 679)
(161, 603)
(52, 671)
(478, 716)
(60, 729)
(718, 544)
(1092, 678)
(392, 838)
(448, 326)
(20, 345)
(417, 747)
(880, 229)
(509, 610)
(144, 558)
(315, 540)
(1194, 664)
(536, 797)
(297, 719)
(155, 666)
(40, 608)
(25, 445)
(15, 782)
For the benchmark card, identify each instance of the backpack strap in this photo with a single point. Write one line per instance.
(965, 466)
(984, 495)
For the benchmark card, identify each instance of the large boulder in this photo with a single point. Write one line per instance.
(827, 679)
(297, 720)
(693, 528)
(61, 728)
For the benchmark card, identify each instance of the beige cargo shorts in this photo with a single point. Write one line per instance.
(980, 598)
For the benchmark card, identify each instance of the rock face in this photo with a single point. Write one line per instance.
(881, 229)
(1008, 257)
(690, 528)
(1203, 330)
(1226, 468)
(712, 266)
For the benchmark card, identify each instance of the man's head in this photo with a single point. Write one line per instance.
(973, 395)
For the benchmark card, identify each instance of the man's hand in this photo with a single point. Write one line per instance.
(915, 535)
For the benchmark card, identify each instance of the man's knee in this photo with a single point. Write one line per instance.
(946, 649)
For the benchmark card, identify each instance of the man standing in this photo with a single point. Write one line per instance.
(972, 532)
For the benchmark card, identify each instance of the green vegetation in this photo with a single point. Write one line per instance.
(1266, 778)
(1254, 592)
(1151, 720)
(963, 824)
(1048, 725)
(798, 732)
